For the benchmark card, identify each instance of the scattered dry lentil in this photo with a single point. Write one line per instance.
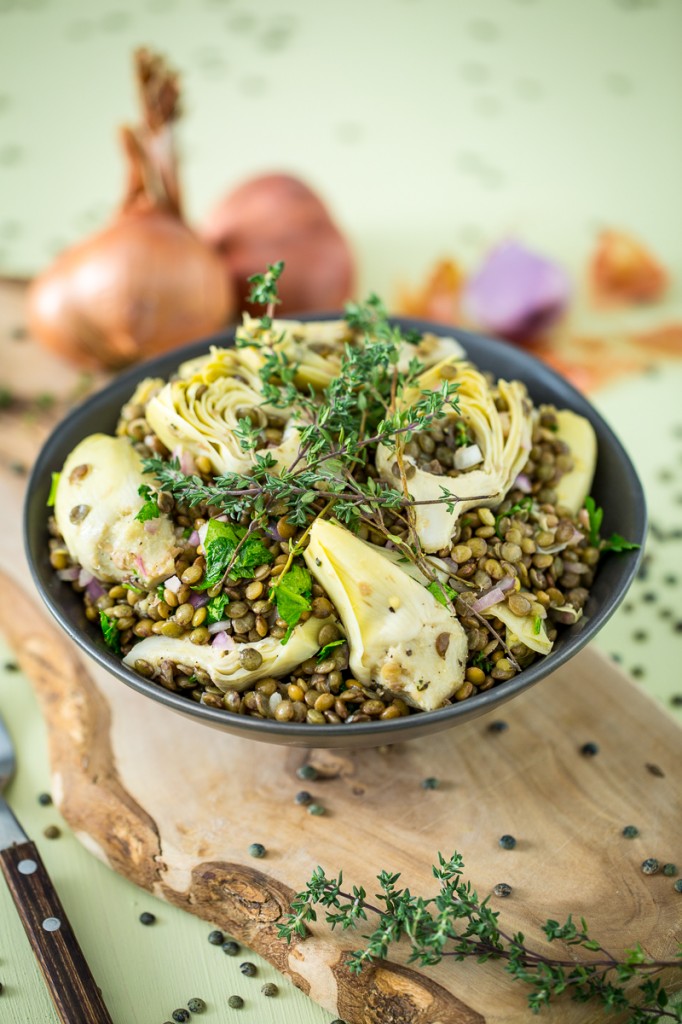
(196, 1005)
(216, 938)
(669, 870)
(269, 989)
(303, 797)
(256, 850)
(630, 832)
(180, 1016)
(147, 918)
(52, 832)
(507, 842)
(677, 886)
(307, 771)
(430, 783)
(316, 809)
(235, 1002)
(248, 969)
(502, 889)
(231, 948)
(498, 726)
(589, 749)
(44, 799)
(650, 866)
(654, 769)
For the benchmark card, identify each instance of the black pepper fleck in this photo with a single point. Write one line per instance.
(676, 700)
(650, 866)
(303, 797)
(248, 969)
(147, 918)
(430, 783)
(502, 889)
(235, 1002)
(231, 947)
(498, 726)
(669, 870)
(670, 579)
(507, 842)
(640, 635)
(630, 832)
(196, 1005)
(216, 938)
(269, 989)
(589, 749)
(44, 799)
(306, 771)
(257, 850)
(649, 596)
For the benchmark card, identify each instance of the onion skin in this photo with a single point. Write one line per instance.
(142, 286)
(278, 217)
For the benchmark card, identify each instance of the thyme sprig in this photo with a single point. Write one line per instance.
(456, 923)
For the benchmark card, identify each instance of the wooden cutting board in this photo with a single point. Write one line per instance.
(174, 806)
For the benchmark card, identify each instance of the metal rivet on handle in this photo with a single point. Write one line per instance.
(27, 867)
(52, 924)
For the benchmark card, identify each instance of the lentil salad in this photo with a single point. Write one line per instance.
(516, 565)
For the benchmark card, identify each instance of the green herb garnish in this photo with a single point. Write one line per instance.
(537, 624)
(458, 925)
(112, 637)
(129, 586)
(215, 609)
(264, 291)
(615, 542)
(52, 496)
(150, 509)
(324, 652)
(233, 551)
(442, 592)
(292, 592)
(485, 664)
(618, 543)
(525, 505)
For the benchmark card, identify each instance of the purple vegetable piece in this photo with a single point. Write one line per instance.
(517, 293)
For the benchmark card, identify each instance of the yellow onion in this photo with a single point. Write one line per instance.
(278, 217)
(147, 282)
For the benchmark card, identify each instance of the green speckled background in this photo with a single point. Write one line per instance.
(433, 127)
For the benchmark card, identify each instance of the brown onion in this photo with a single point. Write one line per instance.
(278, 217)
(146, 283)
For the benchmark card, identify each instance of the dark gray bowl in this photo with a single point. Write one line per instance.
(616, 488)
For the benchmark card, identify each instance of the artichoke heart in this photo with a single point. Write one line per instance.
(401, 638)
(521, 628)
(578, 433)
(504, 444)
(316, 347)
(431, 349)
(141, 396)
(96, 504)
(224, 666)
(201, 418)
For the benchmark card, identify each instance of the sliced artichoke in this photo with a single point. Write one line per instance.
(401, 638)
(142, 394)
(521, 628)
(316, 347)
(430, 350)
(579, 435)
(223, 666)
(503, 438)
(96, 504)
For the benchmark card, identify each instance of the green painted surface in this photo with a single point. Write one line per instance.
(432, 127)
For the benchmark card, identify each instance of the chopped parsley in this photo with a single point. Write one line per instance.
(618, 543)
(112, 637)
(129, 586)
(615, 542)
(53, 490)
(150, 509)
(292, 592)
(537, 624)
(324, 652)
(215, 609)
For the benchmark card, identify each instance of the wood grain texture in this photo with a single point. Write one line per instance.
(72, 987)
(174, 806)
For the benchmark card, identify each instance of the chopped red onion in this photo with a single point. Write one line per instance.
(84, 577)
(468, 456)
(194, 540)
(522, 483)
(223, 642)
(151, 526)
(494, 595)
(273, 532)
(222, 518)
(517, 293)
(218, 627)
(95, 590)
(69, 575)
(140, 566)
(198, 600)
(186, 460)
(173, 584)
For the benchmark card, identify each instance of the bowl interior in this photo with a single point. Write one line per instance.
(616, 488)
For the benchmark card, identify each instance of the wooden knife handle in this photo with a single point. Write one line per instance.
(73, 989)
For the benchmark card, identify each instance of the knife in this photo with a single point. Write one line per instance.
(72, 987)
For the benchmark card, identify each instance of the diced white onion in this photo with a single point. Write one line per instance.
(217, 627)
(467, 457)
(173, 584)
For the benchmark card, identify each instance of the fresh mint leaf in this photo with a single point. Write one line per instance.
(324, 652)
(618, 543)
(441, 592)
(292, 593)
(215, 609)
(112, 637)
(221, 543)
(53, 490)
(594, 517)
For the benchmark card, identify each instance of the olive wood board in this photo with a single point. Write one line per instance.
(173, 806)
